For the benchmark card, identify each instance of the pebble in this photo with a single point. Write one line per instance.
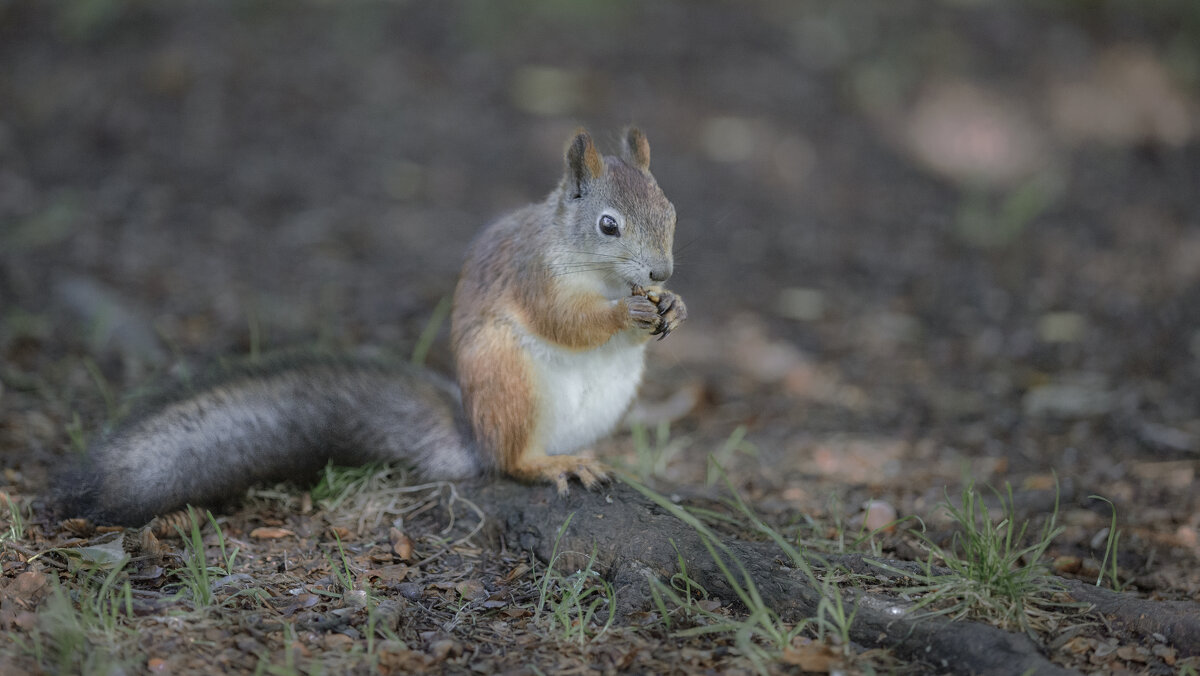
(879, 515)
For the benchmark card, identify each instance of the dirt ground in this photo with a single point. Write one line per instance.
(922, 243)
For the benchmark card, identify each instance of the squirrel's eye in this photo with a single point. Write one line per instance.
(608, 226)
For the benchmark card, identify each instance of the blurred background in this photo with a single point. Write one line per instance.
(918, 239)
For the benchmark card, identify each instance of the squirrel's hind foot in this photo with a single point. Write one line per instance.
(560, 469)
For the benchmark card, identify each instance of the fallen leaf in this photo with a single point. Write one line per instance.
(1131, 653)
(444, 648)
(26, 621)
(299, 602)
(78, 527)
(1079, 645)
(810, 655)
(1170, 473)
(339, 642)
(1040, 482)
(298, 649)
(519, 570)
(148, 573)
(143, 542)
(27, 584)
(471, 590)
(396, 658)
(389, 574)
(104, 555)
(270, 533)
(402, 545)
(1165, 653)
(500, 627)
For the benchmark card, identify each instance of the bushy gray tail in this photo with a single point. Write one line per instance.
(285, 420)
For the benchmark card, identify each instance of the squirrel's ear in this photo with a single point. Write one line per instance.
(583, 162)
(637, 149)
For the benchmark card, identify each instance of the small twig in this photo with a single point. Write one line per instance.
(31, 556)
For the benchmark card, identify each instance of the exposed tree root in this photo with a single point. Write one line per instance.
(635, 538)
(1130, 617)
(1176, 621)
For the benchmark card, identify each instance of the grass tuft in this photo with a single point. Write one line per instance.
(80, 631)
(196, 576)
(1109, 565)
(995, 570)
(654, 453)
(723, 456)
(16, 521)
(572, 603)
(76, 433)
(761, 635)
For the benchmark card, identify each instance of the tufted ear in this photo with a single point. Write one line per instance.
(637, 149)
(584, 163)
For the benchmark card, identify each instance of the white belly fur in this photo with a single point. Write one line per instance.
(584, 393)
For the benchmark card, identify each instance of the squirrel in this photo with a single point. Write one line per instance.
(551, 316)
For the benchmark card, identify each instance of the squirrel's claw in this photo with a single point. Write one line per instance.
(591, 475)
(671, 309)
(668, 306)
(560, 469)
(644, 314)
(561, 483)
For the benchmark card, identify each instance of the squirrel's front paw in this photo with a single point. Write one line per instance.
(671, 309)
(644, 314)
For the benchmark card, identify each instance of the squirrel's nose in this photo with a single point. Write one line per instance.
(660, 274)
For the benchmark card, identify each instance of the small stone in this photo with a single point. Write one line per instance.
(1187, 536)
(338, 642)
(1067, 564)
(445, 648)
(1081, 396)
(1061, 327)
(800, 304)
(879, 516)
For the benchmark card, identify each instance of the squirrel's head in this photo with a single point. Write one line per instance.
(618, 224)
